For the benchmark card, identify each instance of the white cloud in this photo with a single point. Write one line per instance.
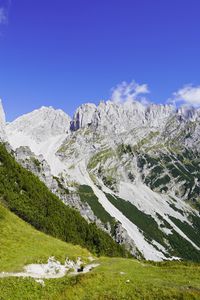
(189, 95)
(128, 92)
(3, 15)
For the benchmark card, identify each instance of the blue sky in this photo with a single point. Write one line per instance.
(66, 52)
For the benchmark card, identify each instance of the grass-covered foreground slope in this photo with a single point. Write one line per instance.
(21, 244)
(114, 279)
(25, 195)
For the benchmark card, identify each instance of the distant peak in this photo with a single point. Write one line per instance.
(2, 113)
(2, 123)
(47, 111)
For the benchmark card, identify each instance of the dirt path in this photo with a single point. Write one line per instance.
(53, 269)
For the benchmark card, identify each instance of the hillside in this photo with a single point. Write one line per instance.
(114, 279)
(25, 195)
(21, 244)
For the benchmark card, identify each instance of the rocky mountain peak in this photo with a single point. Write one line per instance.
(157, 114)
(188, 113)
(83, 116)
(41, 124)
(121, 117)
(2, 123)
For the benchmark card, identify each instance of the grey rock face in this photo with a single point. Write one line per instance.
(38, 166)
(120, 117)
(3, 136)
(41, 124)
(122, 237)
(35, 164)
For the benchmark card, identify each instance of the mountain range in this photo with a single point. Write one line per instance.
(132, 169)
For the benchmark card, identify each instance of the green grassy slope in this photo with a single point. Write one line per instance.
(25, 195)
(131, 279)
(114, 279)
(21, 244)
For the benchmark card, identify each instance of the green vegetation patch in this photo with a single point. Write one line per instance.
(143, 221)
(21, 244)
(161, 181)
(125, 149)
(193, 233)
(182, 248)
(61, 185)
(173, 206)
(100, 157)
(36, 163)
(87, 195)
(178, 245)
(146, 140)
(179, 165)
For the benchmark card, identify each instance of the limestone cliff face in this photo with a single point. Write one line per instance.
(119, 117)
